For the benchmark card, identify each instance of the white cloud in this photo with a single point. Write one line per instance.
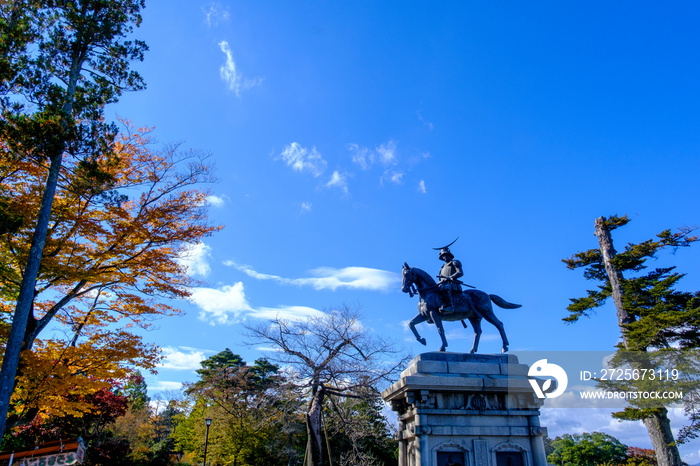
(214, 13)
(328, 278)
(195, 259)
(223, 305)
(269, 349)
(354, 278)
(306, 207)
(228, 305)
(421, 187)
(230, 74)
(338, 180)
(290, 313)
(215, 201)
(302, 159)
(164, 385)
(182, 358)
(387, 153)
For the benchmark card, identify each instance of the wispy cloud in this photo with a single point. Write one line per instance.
(228, 305)
(338, 180)
(383, 156)
(306, 207)
(426, 123)
(383, 161)
(195, 258)
(228, 70)
(182, 358)
(302, 159)
(361, 156)
(328, 278)
(396, 177)
(215, 13)
(230, 74)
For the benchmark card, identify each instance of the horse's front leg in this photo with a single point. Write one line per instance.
(412, 325)
(438, 323)
(476, 325)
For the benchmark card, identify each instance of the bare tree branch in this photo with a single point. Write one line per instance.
(333, 355)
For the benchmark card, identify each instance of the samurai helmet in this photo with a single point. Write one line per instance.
(445, 250)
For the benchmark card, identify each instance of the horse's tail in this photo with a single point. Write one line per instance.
(500, 302)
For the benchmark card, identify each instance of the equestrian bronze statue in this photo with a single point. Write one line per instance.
(435, 306)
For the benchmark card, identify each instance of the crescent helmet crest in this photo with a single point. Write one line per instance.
(446, 247)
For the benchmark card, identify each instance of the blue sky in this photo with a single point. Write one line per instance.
(350, 137)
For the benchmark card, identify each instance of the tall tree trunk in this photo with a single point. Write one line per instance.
(614, 276)
(658, 425)
(313, 430)
(659, 428)
(26, 296)
(17, 338)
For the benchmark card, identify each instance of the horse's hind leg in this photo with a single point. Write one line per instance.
(476, 325)
(491, 318)
(412, 325)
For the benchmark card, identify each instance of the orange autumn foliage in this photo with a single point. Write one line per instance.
(55, 378)
(119, 223)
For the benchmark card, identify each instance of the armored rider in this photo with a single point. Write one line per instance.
(449, 276)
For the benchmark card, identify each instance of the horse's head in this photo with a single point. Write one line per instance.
(408, 280)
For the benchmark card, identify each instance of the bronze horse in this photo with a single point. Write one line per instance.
(472, 305)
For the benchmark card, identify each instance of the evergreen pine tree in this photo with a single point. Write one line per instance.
(136, 390)
(652, 315)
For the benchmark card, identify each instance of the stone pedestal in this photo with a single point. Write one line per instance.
(467, 410)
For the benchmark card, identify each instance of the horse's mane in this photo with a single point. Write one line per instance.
(425, 276)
